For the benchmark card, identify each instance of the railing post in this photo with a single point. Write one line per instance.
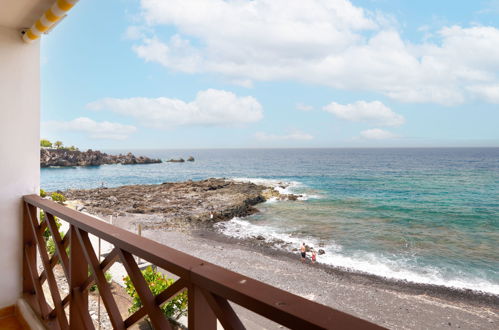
(29, 255)
(78, 274)
(200, 315)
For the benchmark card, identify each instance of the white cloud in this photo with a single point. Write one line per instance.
(490, 93)
(135, 32)
(178, 54)
(248, 83)
(293, 136)
(321, 42)
(96, 130)
(210, 108)
(304, 107)
(377, 134)
(361, 111)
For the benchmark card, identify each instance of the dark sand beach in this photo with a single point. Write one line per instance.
(391, 304)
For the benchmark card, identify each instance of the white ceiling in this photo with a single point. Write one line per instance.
(18, 14)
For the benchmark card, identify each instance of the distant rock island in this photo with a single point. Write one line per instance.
(180, 160)
(66, 157)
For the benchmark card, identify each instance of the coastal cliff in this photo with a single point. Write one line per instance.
(66, 157)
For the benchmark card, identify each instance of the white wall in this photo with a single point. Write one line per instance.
(19, 151)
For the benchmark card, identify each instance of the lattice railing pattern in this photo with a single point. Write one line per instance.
(209, 287)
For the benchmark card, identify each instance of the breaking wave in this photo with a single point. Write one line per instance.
(390, 267)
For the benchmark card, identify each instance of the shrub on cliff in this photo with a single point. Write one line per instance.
(43, 193)
(157, 282)
(45, 143)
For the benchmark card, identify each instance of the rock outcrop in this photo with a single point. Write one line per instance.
(65, 157)
(180, 160)
(208, 200)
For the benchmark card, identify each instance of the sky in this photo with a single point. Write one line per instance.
(153, 74)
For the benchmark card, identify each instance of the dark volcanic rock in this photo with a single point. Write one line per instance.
(190, 159)
(208, 201)
(65, 157)
(180, 160)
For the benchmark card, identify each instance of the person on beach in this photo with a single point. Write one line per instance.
(314, 256)
(303, 251)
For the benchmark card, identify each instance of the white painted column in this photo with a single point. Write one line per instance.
(19, 151)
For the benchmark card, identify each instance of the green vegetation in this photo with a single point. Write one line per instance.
(46, 233)
(49, 239)
(157, 282)
(59, 198)
(107, 275)
(51, 244)
(45, 143)
(55, 196)
(57, 144)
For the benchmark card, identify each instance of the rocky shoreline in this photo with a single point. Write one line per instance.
(66, 157)
(185, 213)
(176, 204)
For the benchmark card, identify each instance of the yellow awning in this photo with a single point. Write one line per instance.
(48, 19)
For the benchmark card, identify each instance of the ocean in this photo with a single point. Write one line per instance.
(420, 215)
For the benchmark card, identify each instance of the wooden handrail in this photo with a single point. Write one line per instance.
(210, 287)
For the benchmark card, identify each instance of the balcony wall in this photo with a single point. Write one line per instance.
(19, 150)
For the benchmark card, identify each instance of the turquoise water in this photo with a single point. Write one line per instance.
(423, 215)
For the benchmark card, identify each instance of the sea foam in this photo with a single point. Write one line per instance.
(398, 269)
(283, 187)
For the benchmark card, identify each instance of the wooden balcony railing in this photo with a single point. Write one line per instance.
(210, 288)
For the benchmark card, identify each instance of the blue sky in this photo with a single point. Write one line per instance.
(273, 73)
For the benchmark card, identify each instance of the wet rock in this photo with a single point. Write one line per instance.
(321, 251)
(271, 193)
(190, 159)
(260, 238)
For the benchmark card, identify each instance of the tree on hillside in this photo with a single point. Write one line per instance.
(45, 143)
(58, 144)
